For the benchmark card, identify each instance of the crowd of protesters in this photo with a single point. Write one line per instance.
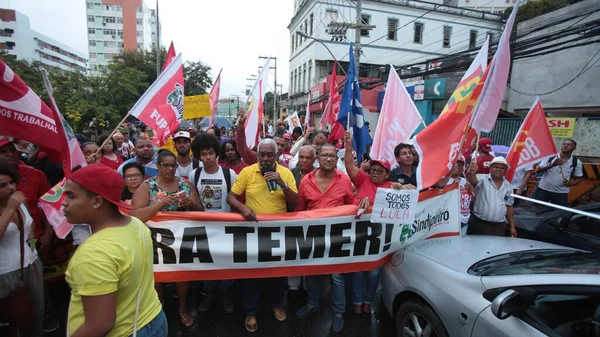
(113, 291)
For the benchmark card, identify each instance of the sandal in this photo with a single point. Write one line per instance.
(358, 310)
(187, 319)
(367, 310)
(251, 324)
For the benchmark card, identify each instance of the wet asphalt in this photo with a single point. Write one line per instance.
(219, 324)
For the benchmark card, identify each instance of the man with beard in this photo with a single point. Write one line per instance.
(183, 144)
(270, 188)
(144, 154)
(325, 187)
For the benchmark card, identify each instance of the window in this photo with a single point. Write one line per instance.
(292, 43)
(119, 19)
(6, 46)
(447, 33)
(138, 21)
(392, 29)
(90, 18)
(490, 37)
(139, 33)
(139, 9)
(91, 31)
(366, 19)
(90, 5)
(121, 45)
(92, 55)
(306, 26)
(6, 32)
(418, 38)
(310, 31)
(585, 225)
(110, 44)
(331, 15)
(92, 43)
(309, 74)
(110, 19)
(473, 39)
(120, 32)
(140, 46)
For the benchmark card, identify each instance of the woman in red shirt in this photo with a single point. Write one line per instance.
(230, 157)
(110, 157)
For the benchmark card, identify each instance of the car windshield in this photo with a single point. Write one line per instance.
(546, 261)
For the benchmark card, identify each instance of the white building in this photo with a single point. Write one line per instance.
(406, 32)
(19, 40)
(118, 25)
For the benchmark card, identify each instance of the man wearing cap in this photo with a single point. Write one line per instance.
(493, 200)
(325, 187)
(144, 154)
(484, 156)
(183, 144)
(406, 172)
(111, 273)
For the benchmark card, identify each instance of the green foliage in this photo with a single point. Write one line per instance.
(268, 104)
(534, 8)
(110, 94)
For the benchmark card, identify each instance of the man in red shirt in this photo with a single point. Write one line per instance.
(325, 187)
(484, 156)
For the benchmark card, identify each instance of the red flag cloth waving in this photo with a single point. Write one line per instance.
(170, 55)
(24, 115)
(161, 106)
(533, 142)
(213, 98)
(332, 107)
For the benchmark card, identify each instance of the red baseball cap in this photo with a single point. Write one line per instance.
(383, 162)
(4, 140)
(485, 144)
(287, 135)
(103, 181)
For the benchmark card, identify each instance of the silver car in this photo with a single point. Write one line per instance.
(492, 286)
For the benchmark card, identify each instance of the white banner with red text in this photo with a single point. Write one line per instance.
(217, 246)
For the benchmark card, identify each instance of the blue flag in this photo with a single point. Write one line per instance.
(351, 104)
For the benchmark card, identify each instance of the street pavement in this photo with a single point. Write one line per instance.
(217, 323)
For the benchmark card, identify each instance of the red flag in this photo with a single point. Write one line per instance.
(533, 142)
(332, 108)
(24, 115)
(213, 98)
(439, 143)
(170, 55)
(161, 106)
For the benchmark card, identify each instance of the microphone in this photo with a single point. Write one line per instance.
(270, 183)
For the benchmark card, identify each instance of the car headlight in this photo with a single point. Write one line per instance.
(398, 258)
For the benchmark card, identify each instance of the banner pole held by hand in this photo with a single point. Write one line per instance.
(112, 133)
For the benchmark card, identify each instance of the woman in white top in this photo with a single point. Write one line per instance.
(15, 218)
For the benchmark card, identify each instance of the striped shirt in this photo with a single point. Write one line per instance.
(491, 202)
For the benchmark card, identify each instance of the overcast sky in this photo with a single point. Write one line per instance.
(228, 34)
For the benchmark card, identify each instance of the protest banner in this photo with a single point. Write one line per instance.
(196, 106)
(218, 246)
(561, 127)
(394, 206)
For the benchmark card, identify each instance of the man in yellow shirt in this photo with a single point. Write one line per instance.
(269, 188)
(110, 274)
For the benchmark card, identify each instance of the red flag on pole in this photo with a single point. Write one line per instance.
(213, 98)
(161, 106)
(533, 142)
(24, 115)
(307, 116)
(169, 58)
(332, 108)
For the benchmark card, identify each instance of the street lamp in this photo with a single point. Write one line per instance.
(306, 36)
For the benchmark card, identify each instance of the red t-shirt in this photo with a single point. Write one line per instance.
(33, 184)
(366, 187)
(338, 193)
(236, 169)
(482, 167)
(111, 163)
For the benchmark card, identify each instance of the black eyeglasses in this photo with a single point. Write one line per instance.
(133, 176)
(167, 166)
(377, 171)
(328, 156)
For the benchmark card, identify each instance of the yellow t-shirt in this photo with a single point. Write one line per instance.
(111, 261)
(258, 197)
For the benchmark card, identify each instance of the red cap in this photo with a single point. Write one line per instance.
(383, 162)
(4, 141)
(485, 144)
(287, 136)
(103, 181)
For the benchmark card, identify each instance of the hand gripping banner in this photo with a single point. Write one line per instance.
(218, 246)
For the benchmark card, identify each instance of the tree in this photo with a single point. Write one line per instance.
(268, 104)
(197, 78)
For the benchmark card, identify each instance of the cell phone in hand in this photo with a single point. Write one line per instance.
(181, 195)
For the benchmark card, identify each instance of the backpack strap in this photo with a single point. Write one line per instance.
(195, 163)
(197, 176)
(227, 175)
(573, 166)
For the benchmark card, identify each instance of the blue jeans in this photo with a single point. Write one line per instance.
(358, 284)
(156, 328)
(212, 285)
(313, 291)
(250, 291)
(547, 196)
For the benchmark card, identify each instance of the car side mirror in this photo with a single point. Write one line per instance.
(505, 304)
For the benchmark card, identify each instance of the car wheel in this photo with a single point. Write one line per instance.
(416, 319)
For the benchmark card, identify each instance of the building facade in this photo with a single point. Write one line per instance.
(118, 25)
(19, 40)
(407, 32)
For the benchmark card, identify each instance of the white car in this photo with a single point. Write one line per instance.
(492, 286)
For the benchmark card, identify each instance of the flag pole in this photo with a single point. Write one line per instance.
(112, 133)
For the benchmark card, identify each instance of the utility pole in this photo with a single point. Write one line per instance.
(358, 32)
(275, 112)
(157, 42)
